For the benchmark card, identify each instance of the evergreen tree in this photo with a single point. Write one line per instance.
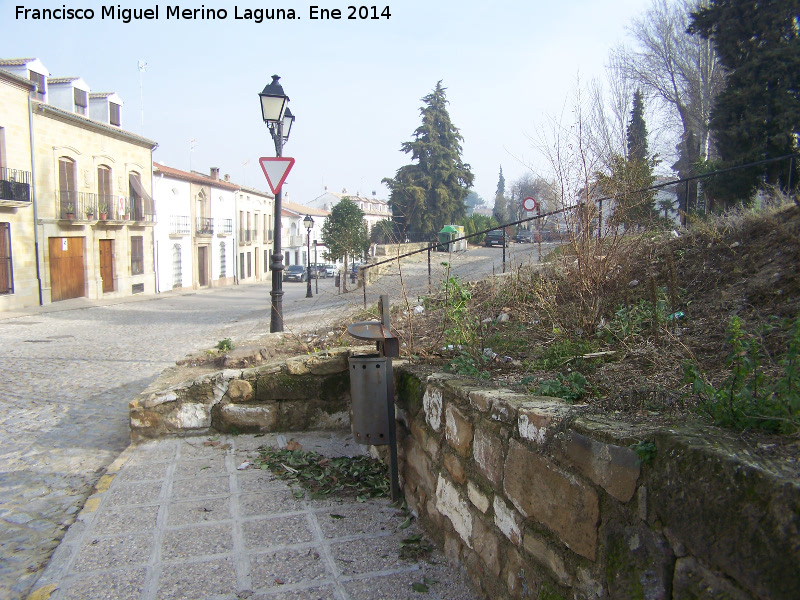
(500, 210)
(430, 193)
(345, 233)
(757, 116)
(637, 130)
(631, 174)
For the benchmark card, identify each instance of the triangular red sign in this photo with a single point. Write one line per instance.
(275, 170)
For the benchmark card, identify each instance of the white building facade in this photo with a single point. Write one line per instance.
(194, 237)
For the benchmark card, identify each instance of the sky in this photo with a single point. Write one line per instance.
(355, 86)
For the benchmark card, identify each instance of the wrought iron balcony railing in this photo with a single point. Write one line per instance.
(204, 226)
(179, 225)
(15, 185)
(224, 226)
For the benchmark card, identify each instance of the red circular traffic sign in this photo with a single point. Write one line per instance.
(529, 204)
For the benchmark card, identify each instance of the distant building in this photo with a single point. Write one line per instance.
(294, 236)
(195, 238)
(374, 209)
(256, 220)
(89, 210)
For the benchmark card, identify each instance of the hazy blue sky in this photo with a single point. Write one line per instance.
(355, 86)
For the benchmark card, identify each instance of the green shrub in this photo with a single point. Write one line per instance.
(571, 388)
(748, 398)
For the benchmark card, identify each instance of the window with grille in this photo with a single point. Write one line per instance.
(223, 269)
(137, 255)
(177, 274)
(266, 261)
(6, 272)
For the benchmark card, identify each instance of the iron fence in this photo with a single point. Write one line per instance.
(15, 185)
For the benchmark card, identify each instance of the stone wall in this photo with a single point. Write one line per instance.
(539, 502)
(533, 498)
(305, 392)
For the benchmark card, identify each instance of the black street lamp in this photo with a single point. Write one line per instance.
(309, 223)
(279, 119)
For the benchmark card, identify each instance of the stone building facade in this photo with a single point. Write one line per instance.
(91, 185)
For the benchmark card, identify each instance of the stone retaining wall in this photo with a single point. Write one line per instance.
(533, 498)
(306, 392)
(539, 502)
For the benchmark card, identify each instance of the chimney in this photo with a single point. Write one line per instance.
(227, 177)
(215, 173)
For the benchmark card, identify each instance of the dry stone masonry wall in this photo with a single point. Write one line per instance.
(538, 501)
(532, 497)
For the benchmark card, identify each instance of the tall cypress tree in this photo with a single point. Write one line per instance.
(757, 116)
(637, 130)
(500, 210)
(430, 193)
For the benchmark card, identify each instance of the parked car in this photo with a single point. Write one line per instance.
(294, 273)
(495, 238)
(330, 270)
(524, 237)
(318, 270)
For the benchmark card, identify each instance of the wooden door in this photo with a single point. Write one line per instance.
(202, 266)
(107, 265)
(67, 277)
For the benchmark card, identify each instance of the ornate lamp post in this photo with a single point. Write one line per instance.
(308, 222)
(279, 119)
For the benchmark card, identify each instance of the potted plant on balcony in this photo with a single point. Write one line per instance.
(90, 212)
(103, 209)
(69, 210)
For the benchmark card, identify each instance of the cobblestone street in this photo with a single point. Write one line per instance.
(68, 372)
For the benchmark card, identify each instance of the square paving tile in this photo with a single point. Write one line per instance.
(134, 493)
(326, 592)
(196, 580)
(196, 448)
(113, 552)
(198, 511)
(203, 467)
(269, 502)
(368, 555)
(197, 541)
(280, 531)
(117, 585)
(155, 451)
(116, 520)
(200, 487)
(369, 518)
(259, 481)
(287, 567)
(143, 472)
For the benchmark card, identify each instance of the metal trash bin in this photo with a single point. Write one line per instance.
(372, 388)
(369, 414)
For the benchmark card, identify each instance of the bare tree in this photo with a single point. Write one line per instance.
(679, 69)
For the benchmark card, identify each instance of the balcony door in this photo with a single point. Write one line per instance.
(66, 187)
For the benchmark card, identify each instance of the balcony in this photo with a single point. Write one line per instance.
(224, 227)
(204, 226)
(295, 240)
(179, 225)
(244, 236)
(76, 206)
(15, 187)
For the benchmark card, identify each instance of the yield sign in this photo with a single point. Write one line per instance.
(276, 169)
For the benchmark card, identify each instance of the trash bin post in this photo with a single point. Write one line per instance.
(369, 420)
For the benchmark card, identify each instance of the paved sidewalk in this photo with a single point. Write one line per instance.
(177, 519)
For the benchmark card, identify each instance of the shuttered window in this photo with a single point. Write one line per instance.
(6, 272)
(137, 255)
(113, 113)
(81, 101)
